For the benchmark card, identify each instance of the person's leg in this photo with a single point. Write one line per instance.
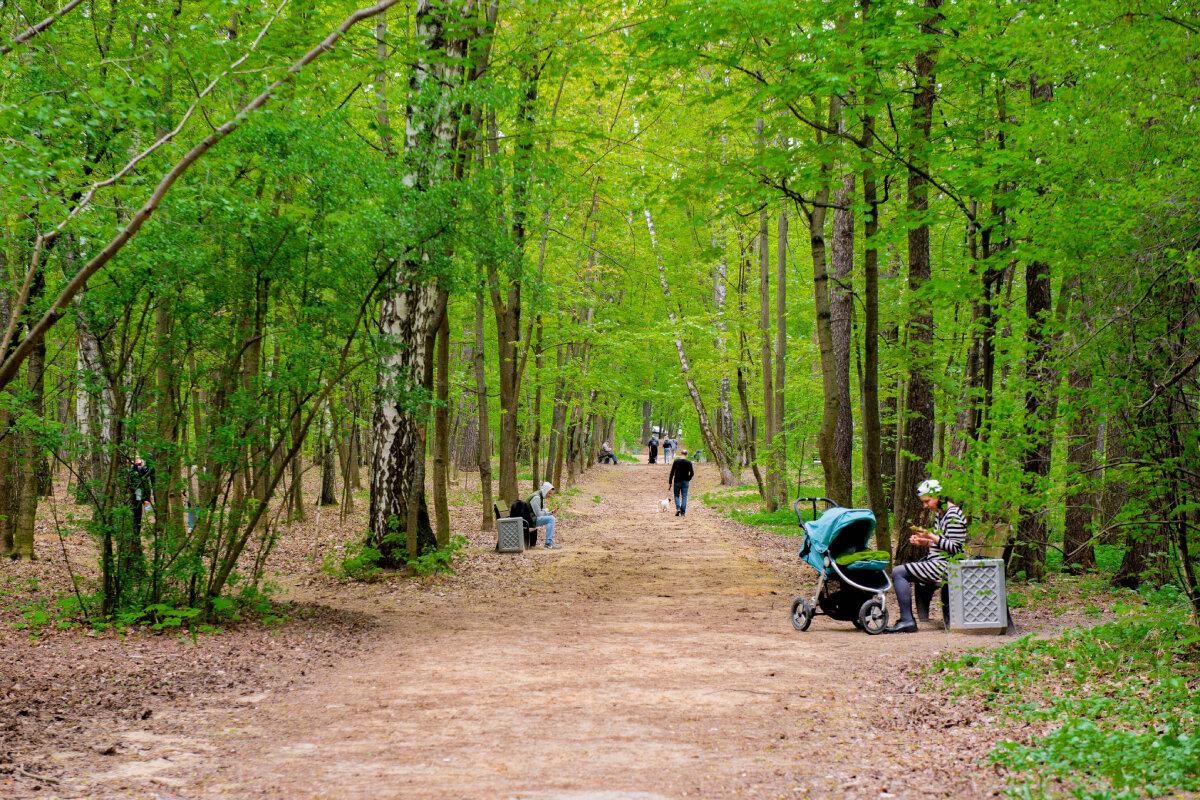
(675, 494)
(682, 488)
(903, 585)
(548, 521)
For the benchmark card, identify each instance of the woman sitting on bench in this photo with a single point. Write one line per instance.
(947, 538)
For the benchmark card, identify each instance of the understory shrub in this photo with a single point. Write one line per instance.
(1114, 704)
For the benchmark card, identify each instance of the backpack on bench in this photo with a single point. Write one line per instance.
(528, 522)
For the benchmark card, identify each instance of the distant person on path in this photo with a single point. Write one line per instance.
(542, 516)
(668, 448)
(678, 479)
(947, 538)
(606, 454)
(653, 445)
(141, 489)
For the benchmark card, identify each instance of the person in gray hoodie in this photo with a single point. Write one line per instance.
(537, 502)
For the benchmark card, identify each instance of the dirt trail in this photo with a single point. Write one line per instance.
(649, 658)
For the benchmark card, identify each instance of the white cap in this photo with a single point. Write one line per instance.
(929, 488)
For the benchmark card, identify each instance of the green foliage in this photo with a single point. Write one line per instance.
(1117, 716)
(438, 560)
(359, 562)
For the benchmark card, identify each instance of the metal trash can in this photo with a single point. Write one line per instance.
(510, 535)
(978, 596)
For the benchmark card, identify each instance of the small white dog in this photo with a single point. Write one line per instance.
(663, 505)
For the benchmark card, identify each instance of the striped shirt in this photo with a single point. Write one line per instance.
(951, 528)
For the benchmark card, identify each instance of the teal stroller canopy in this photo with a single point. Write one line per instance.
(838, 531)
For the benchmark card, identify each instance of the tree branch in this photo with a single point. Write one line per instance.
(12, 363)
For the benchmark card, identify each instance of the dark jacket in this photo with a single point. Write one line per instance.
(681, 471)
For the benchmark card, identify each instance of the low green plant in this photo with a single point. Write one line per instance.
(439, 560)
(1118, 719)
(359, 562)
(597, 499)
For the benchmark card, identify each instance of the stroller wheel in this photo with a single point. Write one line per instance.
(802, 613)
(873, 617)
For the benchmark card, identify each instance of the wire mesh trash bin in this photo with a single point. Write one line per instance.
(978, 596)
(510, 535)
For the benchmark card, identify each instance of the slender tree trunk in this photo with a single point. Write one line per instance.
(715, 446)
(841, 302)
(725, 428)
(484, 451)
(31, 452)
(781, 356)
(441, 434)
(771, 494)
(873, 448)
(1078, 553)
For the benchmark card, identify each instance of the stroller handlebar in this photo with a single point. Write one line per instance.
(814, 501)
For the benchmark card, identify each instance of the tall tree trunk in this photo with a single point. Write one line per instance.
(31, 453)
(441, 434)
(841, 309)
(725, 428)
(773, 479)
(1032, 533)
(484, 451)
(781, 485)
(412, 310)
(535, 447)
(872, 433)
(918, 413)
(1078, 553)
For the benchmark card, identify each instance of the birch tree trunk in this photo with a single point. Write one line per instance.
(410, 312)
(714, 444)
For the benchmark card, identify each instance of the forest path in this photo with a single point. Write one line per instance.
(651, 657)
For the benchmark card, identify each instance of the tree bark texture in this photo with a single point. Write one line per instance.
(1032, 530)
(872, 433)
(918, 402)
(781, 485)
(414, 307)
(841, 309)
(773, 479)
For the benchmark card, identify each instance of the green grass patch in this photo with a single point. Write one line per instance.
(1123, 721)
(744, 505)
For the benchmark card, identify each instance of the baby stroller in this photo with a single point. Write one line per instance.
(851, 578)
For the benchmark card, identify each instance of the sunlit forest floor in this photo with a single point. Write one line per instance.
(651, 657)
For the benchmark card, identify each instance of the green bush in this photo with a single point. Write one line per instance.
(1123, 721)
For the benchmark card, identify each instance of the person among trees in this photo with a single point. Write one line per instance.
(653, 445)
(606, 454)
(668, 448)
(141, 489)
(542, 516)
(947, 538)
(678, 479)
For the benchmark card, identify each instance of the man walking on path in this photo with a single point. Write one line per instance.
(537, 502)
(679, 477)
(653, 445)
